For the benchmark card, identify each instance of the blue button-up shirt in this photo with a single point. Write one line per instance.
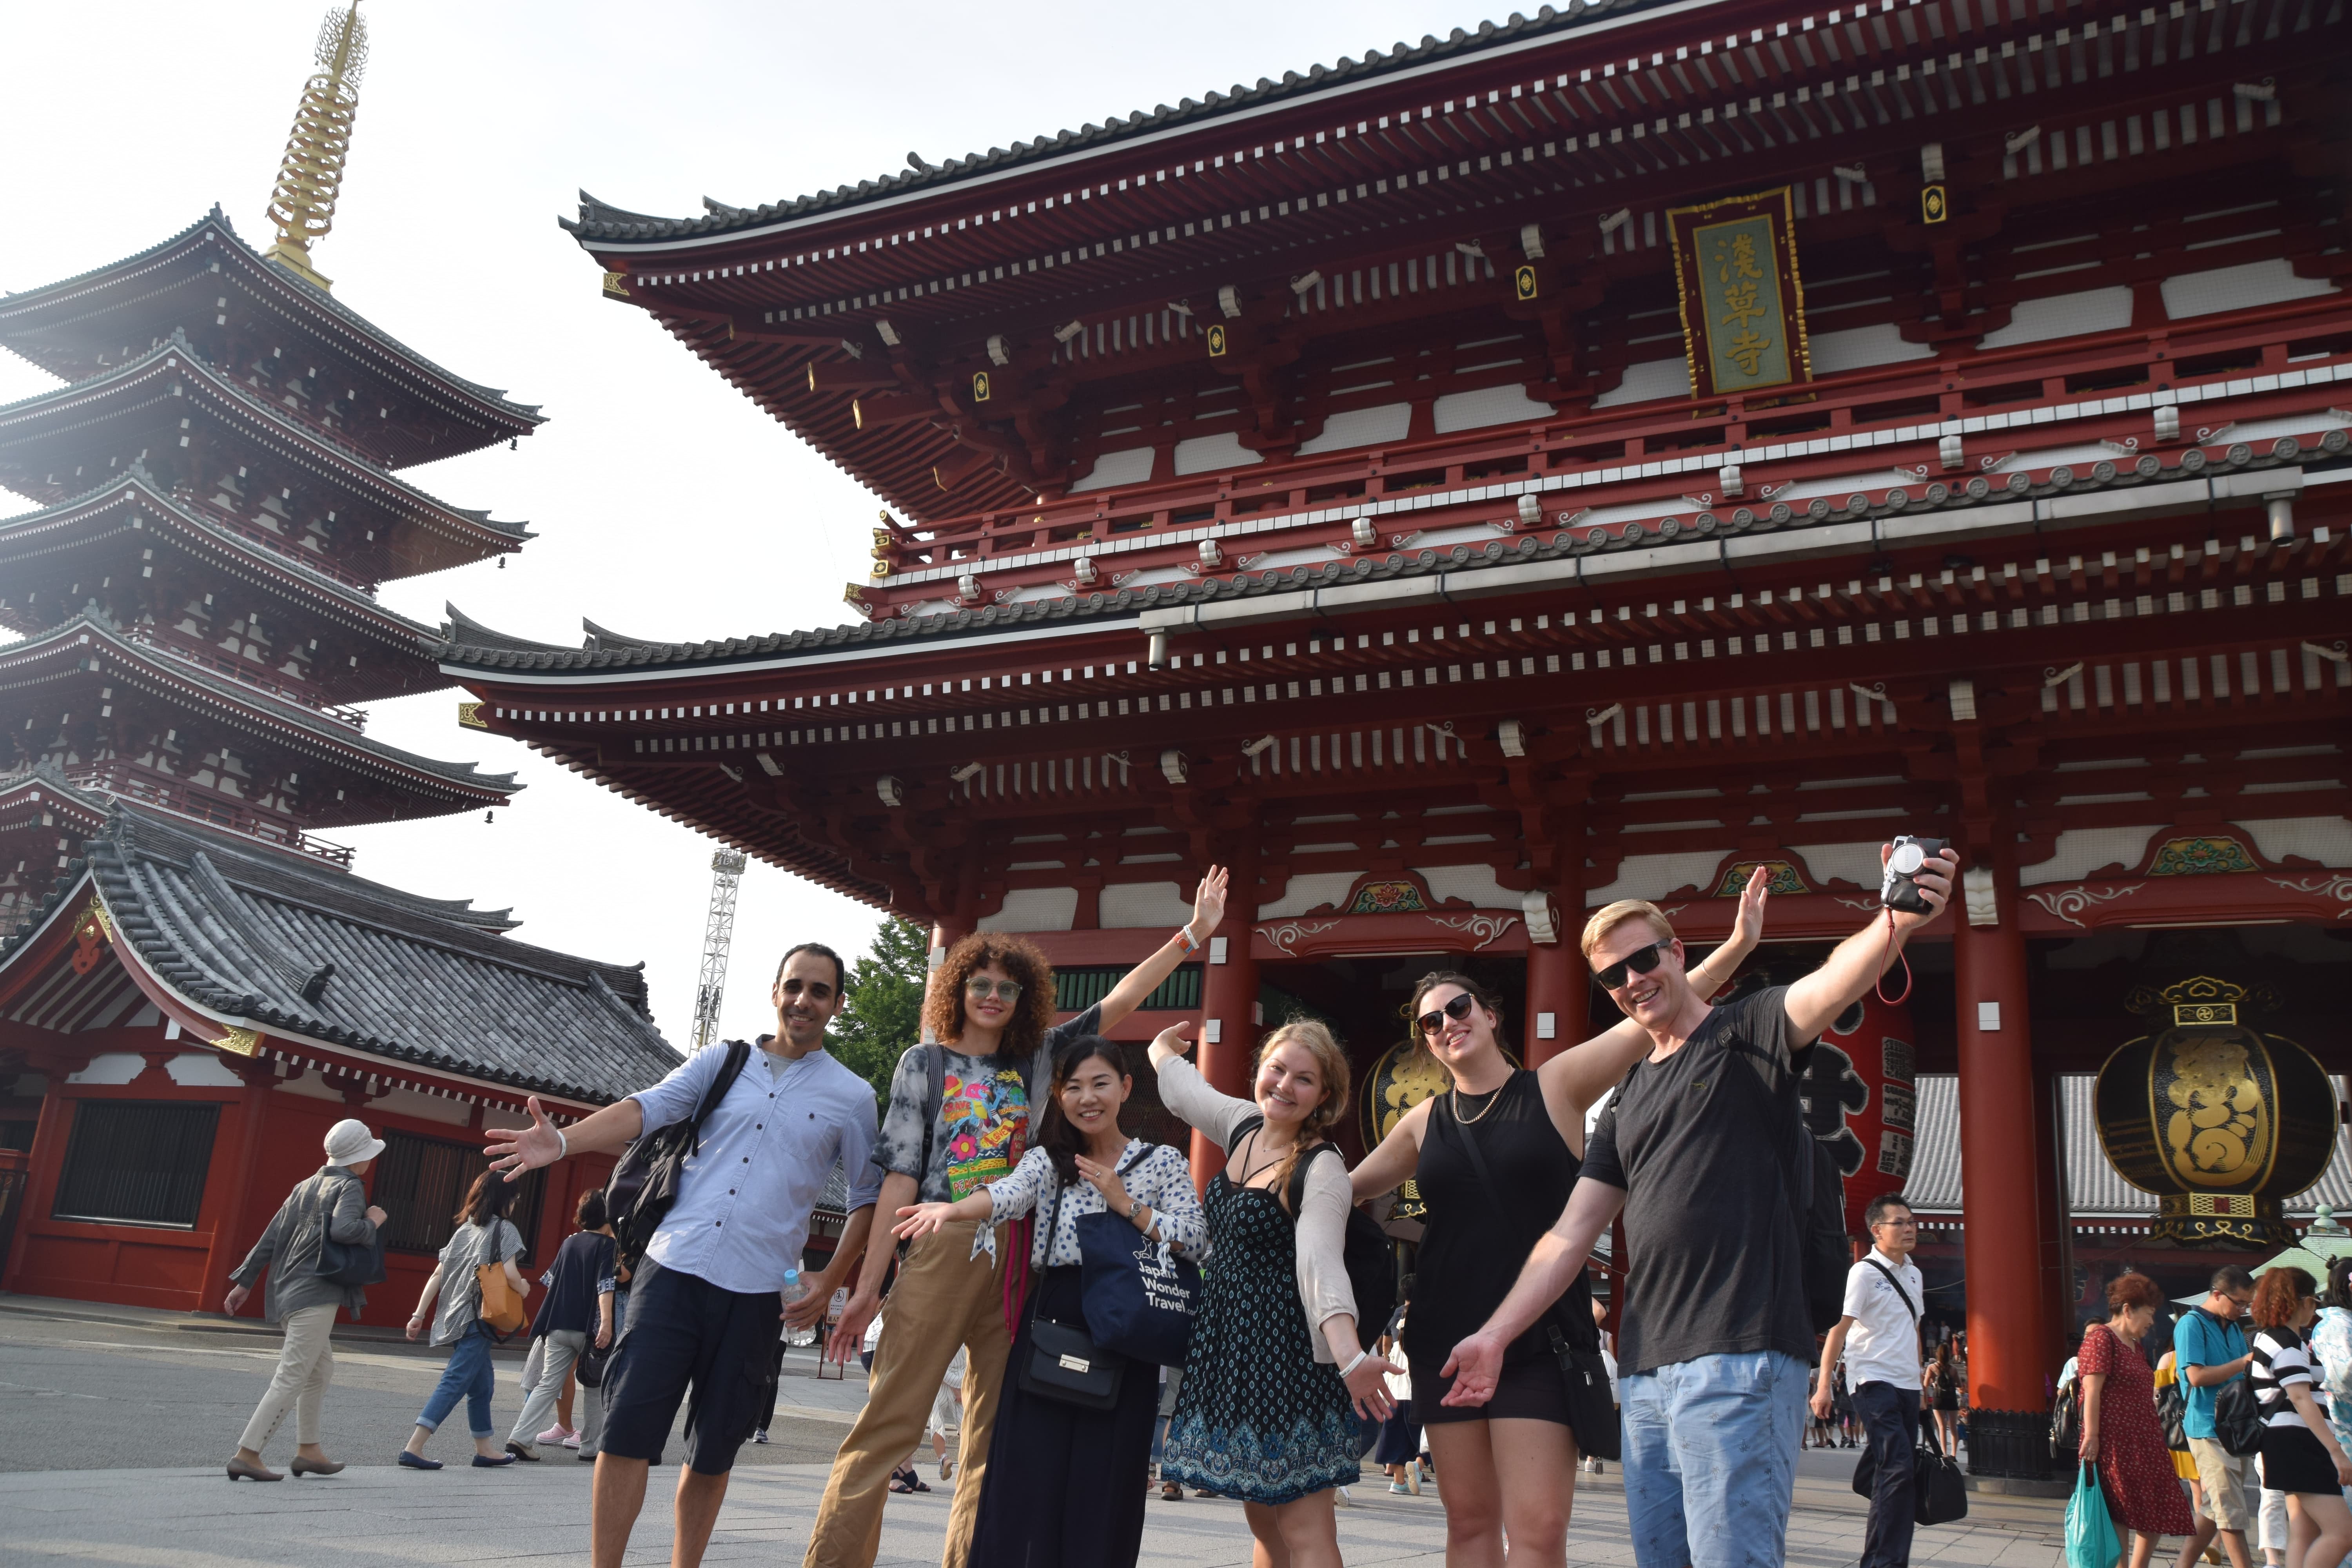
(742, 1210)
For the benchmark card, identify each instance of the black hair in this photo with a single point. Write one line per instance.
(840, 971)
(1877, 1211)
(590, 1214)
(1064, 1143)
(2339, 1283)
(2231, 1277)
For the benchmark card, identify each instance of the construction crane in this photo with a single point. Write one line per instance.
(717, 936)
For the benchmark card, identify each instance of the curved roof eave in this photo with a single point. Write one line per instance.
(605, 229)
(524, 416)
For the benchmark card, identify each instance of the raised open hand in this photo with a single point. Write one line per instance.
(514, 1150)
(1209, 902)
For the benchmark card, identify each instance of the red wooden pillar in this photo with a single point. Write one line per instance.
(1228, 1007)
(2008, 1334)
(48, 1153)
(1557, 981)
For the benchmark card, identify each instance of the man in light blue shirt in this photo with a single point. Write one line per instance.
(704, 1304)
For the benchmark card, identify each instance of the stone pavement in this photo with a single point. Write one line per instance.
(113, 1424)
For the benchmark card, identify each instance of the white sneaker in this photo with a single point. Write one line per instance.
(1343, 1498)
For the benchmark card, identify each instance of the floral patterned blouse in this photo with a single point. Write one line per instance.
(1161, 1178)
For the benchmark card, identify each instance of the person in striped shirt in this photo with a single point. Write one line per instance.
(2300, 1454)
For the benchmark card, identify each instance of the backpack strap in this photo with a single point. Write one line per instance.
(738, 1053)
(935, 1068)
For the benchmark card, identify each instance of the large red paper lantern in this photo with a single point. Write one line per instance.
(1862, 1100)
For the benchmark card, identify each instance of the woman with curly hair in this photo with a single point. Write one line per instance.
(1268, 1410)
(2120, 1434)
(958, 1119)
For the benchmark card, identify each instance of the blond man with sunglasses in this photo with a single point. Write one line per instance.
(1696, 1149)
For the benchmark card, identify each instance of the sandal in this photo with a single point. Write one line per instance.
(903, 1481)
(1172, 1492)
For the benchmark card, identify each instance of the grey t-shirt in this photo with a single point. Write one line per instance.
(461, 1296)
(1697, 1142)
(984, 1114)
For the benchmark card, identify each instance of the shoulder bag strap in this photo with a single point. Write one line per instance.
(739, 1052)
(935, 1066)
(1918, 1326)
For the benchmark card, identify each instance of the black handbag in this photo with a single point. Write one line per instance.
(1135, 1305)
(1592, 1414)
(1064, 1363)
(591, 1367)
(2172, 1415)
(350, 1262)
(1939, 1493)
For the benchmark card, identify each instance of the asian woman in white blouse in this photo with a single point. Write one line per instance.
(1065, 1485)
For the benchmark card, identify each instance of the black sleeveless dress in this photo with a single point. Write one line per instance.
(1473, 1248)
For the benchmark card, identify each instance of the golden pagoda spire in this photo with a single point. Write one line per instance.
(303, 204)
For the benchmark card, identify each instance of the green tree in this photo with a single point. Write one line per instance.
(884, 1012)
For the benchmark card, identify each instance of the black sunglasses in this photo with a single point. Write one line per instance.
(1641, 960)
(1457, 1010)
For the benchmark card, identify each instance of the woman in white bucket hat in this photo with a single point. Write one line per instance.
(329, 1206)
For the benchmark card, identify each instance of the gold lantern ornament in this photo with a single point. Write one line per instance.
(2221, 1121)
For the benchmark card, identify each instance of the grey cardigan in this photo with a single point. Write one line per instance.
(329, 1204)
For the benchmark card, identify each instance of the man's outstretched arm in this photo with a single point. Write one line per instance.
(1558, 1256)
(514, 1150)
(1855, 964)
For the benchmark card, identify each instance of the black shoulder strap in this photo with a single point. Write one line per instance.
(1296, 1188)
(1903, 1295)
(935, 1068)
(738, 1053)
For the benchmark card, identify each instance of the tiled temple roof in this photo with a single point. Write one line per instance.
(307, 951)
(603, 221)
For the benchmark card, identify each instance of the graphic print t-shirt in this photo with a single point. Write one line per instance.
(984, 1126)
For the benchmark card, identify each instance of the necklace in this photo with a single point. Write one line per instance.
(1492, 1095)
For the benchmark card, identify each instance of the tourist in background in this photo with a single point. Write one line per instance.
(485, 1237)
(1878, 1334)
(1693, 1151)
(709, 1288)
(2184, 1461)
(576, 1312)
(2301, 1455)
(1269, 1410)
(2209, 1348)
(2331, 1344)
(1943, 1399)
(329, 1205)
(1062, 1490)
(1398, 1451)
(1511, 1463)
(991, 1005)
(2120, 1427)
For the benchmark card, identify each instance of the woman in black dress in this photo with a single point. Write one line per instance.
(1508, 1465)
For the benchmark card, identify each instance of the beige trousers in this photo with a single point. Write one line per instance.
(943, 1297)
(306, 1364)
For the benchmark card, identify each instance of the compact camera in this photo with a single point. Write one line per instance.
(1900, 888)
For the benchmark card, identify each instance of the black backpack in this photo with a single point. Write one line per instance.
(1815, 1191)
(644, 1183)
(1371, 1261)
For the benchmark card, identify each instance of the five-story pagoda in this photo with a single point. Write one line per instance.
(218, 501)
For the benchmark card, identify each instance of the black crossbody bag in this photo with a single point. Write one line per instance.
(1064, 1363)
(1591, 1412)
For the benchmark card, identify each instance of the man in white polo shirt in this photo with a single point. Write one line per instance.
(1879, 1336)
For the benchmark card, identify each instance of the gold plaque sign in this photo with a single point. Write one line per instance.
(1743, 308)
(1216, 335)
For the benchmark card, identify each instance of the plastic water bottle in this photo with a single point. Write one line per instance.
(795, 1286)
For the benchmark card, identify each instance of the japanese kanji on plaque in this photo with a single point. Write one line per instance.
(1743, 308)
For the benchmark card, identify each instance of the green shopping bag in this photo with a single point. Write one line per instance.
(2091, 1539)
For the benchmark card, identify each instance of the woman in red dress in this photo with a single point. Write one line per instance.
(2119, 1425)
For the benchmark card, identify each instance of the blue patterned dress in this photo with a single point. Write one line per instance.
(1258, 1418)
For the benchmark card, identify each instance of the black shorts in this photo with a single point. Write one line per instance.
(684, 1331)
(2294, 1461)
(1528, 1390)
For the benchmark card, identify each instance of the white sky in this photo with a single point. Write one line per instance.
(667, 505)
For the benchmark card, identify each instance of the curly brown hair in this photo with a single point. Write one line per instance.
(943, 1004)
(2278, 1296)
